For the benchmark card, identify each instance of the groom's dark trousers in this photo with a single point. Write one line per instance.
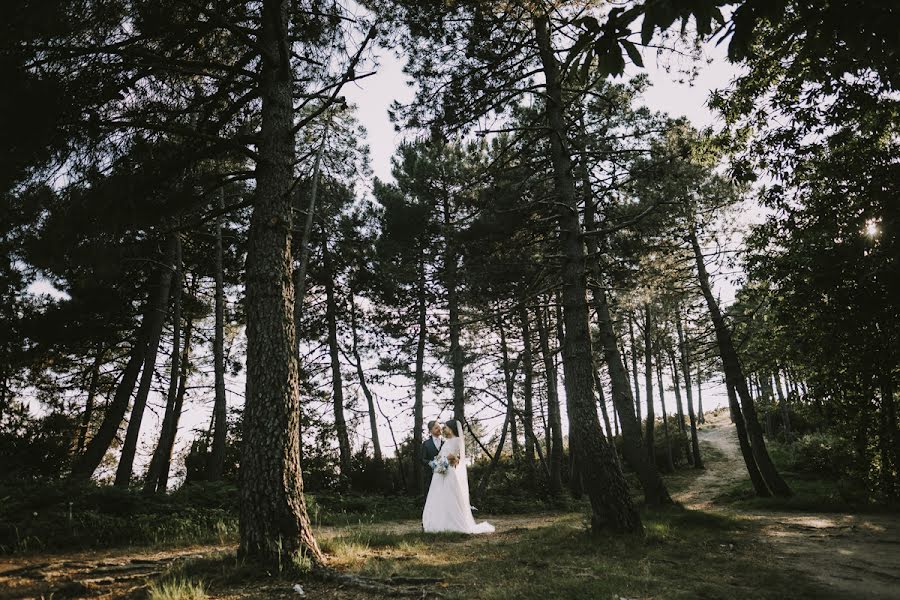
(429, 452)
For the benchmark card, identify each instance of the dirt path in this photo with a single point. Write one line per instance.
(858, 556)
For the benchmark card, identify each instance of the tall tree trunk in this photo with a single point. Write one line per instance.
(129, 447)
(509, 379)
(554, 415)
(167, 444)
(700, 418)
(86, 463)
(89, 403)
(634, 371)
(676, 381)
(649, 438)
(274, 524)
(450, 281)
(756, 479)
(334, 351)
(418, 423)
(527, 388)
(151, 480)
(670, 459)
(601, 400)
(783, 404)
(655, 492)
(686, 367)
(220, 408)
(485, 478)
(734, 376)
(361, 375)
(604, 482)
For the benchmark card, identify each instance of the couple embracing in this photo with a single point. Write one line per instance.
(447, 505)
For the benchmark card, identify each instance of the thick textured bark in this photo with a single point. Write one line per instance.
(89, 402)
(759, 486)
(554, 415)
(527, 387)
(86, 463)
(167, 443)
(220, 416)
(670, 459)
(334, 352)
(686, 367)
(129, 447)
(649, 440)
(361, 375)
(274, 525)
(734, 376)
(418, 424)
(603, 480)
(151, 479)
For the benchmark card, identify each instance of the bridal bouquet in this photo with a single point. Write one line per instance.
(440, 465)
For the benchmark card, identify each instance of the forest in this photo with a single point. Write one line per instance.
(673, 347)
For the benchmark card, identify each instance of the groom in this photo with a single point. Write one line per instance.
(430, 449)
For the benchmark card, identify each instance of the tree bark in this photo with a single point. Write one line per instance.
(129, 447)
(554, 415)
(220, 408)
(634, 371)
(334, 351)
(700, 418)
(418, 404)
(167, 439)
(686, 366)
(783, 404)
(756, 479)
(527, 387)
(603, 480)
(89, 403)
(655, 492)
(451, 282)
(649, 438)
(361, 375)
(509, 379)
(274, 525)
(734, 376)
(86, 463)
(670, 459)
(151, 479)
(676, 380)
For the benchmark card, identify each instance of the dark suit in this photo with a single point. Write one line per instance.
(428, 454)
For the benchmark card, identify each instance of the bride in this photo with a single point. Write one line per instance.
(447, 506)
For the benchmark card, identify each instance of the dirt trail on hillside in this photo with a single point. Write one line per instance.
(858, 556)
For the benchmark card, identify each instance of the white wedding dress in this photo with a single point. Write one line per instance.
(447, 505)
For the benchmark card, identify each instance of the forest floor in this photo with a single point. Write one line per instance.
(707, 549)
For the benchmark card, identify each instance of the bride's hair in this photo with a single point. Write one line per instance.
(452, 426)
